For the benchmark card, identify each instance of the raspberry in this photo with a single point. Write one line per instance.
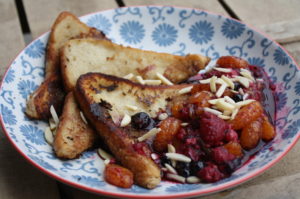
(169, 128)
(212, 129)
(221, 155)
(118, 176)
(210, 173)
(231, 135)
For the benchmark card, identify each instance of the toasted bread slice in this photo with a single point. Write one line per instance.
(80, 56)
(103, 97)
(73, 135)
(49, 93)
(65, 27)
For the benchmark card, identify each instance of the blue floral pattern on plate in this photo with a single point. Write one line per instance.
(232, 29)
(201, 32)
(164, 35)
(132, 32)
(165, 29)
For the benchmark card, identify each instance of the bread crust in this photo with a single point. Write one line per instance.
(106, 57)
(73, 135)
(119, 140)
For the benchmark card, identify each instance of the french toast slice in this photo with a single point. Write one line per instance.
(73, 135)
(49, 93)
(103, 98)
(80, 56)
(66, 27)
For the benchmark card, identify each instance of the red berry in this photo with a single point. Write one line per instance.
(210, 173)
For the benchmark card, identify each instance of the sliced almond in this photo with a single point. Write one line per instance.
(243, 80)
(83, 118)
(163, 79)
(193, 179)
(228, 81)
(163, 116)
(224, 117)
(221, 104)
(246, 73)
(244, 103)
(125, 121)
(178, 157)
(52, 124)
(205, 81)
(54, 115)
(229, 100)
(185, 90)
(149, 134)
(170, 168)
(212, 84)
(171, 148)
(139, 79)
(106, 162)
(213, 111)
(224, 70)
(152, 81)
(214, 101)
(48, 135)
(184, 124)
(176, 177)
(234, 113)
(221, 90)
(131, 107)
(129, 76)
(103, 154)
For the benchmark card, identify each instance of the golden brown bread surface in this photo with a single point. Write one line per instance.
(49, 93)
(102, 97)
(73, 135)
(80, 56)
(65, 27)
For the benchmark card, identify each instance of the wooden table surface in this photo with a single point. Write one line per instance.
(21, 21)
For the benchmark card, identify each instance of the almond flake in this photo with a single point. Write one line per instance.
(227, 112)
(154, 156)
(228, 99)
(139, 79)
(106, 162)
(184, 124)
(149, 134)
(243, 80)
(54, 115)
(228, 81)
(163, 116)
(214, 101)
(125, 121)
(221, 90)
(246, 73)
(171, 148)
(48, 135)
(213, 111)
(178, 157)
(192, 179)
(205, 81)
(244, 103)
(103, 154)
(129, 76)
(185, 90)
(83, 118)
(152, 81)
(176, 177)
(245, 96)
(224, 117)
(221, 104)
(170, 168)
(52, 124)
(212, 84)
(234, 113)
(241, 91)
(131, 107)
(224, 70)
(164, 79)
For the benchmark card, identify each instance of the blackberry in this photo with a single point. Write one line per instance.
(238, 98)
(183, 168)
(142, 120)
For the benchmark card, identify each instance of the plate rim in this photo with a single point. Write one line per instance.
(194, 193)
